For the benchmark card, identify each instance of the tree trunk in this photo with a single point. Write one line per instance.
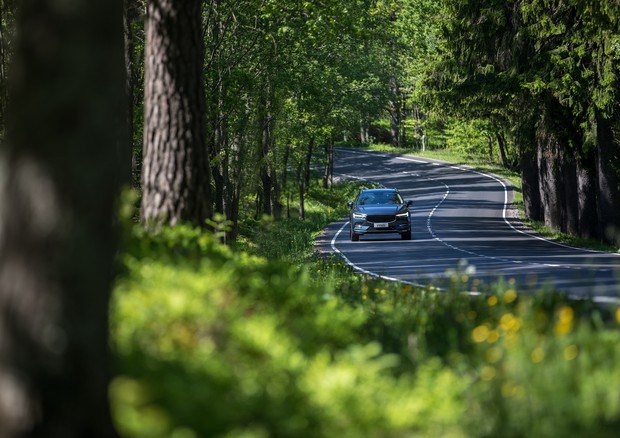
(364, 130)
(236, 161)
(57, 240)
(176, 175)
(395, 127)
(6, 17)
(3, 75)
(395, 113)
(328, 175)
(556, 164)
(276, 194)
(264, 149)
(308, 162)
(608, 197)
(568, 180)
(302, 201)
(218, 151)
(490, 145)
(530, 184)
(501, 144)
(129, 16)
(234, 187)
(586, 194)
(550, 182)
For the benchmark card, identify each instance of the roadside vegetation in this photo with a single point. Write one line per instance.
(271, 339)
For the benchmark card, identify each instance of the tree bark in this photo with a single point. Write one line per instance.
(265, 123)
(57, 240)
(501, 143)
(328, 175)
(308, 162)
(236, 161)
(129, 160)
(301, 182)
(176, 174)
(568, 180)
(586, 193)
(364, 130)
(548, 180)
(530, 184)
(3, 75)
(6, 17)
(608, 196)
(395, 111)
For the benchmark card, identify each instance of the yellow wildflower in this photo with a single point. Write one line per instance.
(492, 301)
(509, 323)
(538, 355)
(510, 296)
(493, 336)
(480, 333)
(571, 352)
(564, 322)
(487, 373)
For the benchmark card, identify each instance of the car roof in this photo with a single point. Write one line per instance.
(378, 190)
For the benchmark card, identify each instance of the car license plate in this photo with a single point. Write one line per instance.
(381, 225)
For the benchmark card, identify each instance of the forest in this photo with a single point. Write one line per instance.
(166, 165)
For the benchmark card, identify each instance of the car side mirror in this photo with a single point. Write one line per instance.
(409, 203)
(350, 204)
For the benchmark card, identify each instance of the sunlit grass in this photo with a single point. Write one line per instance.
(568, 239)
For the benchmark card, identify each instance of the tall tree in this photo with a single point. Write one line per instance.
(7, 19)
(175, 175)
(131, 17)
(546, 72)
(57, 243)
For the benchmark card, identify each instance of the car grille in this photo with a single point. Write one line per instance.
(381, 218)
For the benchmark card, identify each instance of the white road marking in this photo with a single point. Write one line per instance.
(433, 234)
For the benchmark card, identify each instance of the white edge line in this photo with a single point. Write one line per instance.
(384, 277)
(507, 204)
(601, 299)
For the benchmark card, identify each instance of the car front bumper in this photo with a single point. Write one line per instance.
(364, 227)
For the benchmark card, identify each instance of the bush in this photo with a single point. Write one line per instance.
(211, 343)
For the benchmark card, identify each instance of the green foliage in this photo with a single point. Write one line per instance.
(228, 344)
(292, 239)
(468, 138)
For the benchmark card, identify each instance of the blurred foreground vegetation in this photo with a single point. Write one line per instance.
(271, 340)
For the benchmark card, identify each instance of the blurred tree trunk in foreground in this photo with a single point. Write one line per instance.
(57, 242)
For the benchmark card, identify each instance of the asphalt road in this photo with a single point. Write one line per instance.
(464, 223)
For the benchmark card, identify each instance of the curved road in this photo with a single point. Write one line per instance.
(463, 222)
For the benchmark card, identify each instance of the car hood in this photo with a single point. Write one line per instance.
(382, 209)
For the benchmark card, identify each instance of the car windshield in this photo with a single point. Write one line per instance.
(378, 198)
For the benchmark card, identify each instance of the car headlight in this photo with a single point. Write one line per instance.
(402, 215)
(359, 216)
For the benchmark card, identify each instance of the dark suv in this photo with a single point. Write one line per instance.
(380, 211)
